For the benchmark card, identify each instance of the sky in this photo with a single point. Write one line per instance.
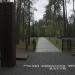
(70, 8)
(40, 6)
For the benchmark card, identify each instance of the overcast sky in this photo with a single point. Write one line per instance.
(40, 6)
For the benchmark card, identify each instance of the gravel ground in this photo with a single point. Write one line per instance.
(42, 59)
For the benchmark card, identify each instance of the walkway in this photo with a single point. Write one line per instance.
(45, 46)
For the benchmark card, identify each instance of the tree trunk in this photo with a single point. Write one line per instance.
(29, 22)
(18, 21)
(64, 20)
(23, 23)
(74, 20)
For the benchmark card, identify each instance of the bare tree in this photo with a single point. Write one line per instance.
(73, 5)
(74, 19)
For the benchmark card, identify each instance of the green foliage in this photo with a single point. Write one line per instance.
(57, 42)
(23, 19)
(54, 18)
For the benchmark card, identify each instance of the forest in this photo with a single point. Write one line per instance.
(55, 22)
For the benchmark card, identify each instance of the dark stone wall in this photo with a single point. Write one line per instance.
(7, 34)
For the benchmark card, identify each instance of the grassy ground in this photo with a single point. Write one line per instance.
(20, 48)
(56, 42)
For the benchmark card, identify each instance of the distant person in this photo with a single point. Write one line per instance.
(34, 44)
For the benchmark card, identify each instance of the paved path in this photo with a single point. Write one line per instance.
(45, 46)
